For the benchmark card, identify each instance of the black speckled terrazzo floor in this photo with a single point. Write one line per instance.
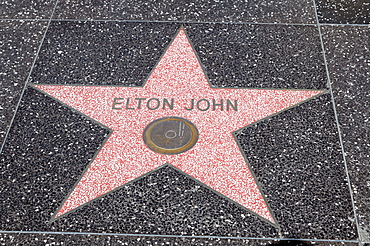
(311, 161)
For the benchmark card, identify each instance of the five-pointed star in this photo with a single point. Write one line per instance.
(215, 160)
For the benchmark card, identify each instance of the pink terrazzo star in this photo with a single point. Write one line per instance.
(215, 159)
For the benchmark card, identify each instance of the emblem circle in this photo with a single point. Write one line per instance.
(170, 135)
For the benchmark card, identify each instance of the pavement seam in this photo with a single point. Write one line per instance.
(337, 123)
(190, 22)
(29, 75)
(177, 236)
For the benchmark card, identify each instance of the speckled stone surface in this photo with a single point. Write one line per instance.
(104, 53)
(17, 9)
(342, 11)
(306, 174)
(349, 67)
(125, 53)
(287, 11)
(295, 156)
(260, 56)
(20, 41)
(44, 239)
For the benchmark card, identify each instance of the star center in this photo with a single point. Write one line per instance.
(170, 135)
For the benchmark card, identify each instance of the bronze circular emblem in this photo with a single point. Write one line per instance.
(170, 135)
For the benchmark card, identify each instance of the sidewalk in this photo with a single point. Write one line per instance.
(185, 123)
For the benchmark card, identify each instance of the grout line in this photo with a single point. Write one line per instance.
(24, 19)
(348, 24)
(338, 125)
(189, 22)
(28, 77)
(174, 236)
(166, 21)
(192, 22)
